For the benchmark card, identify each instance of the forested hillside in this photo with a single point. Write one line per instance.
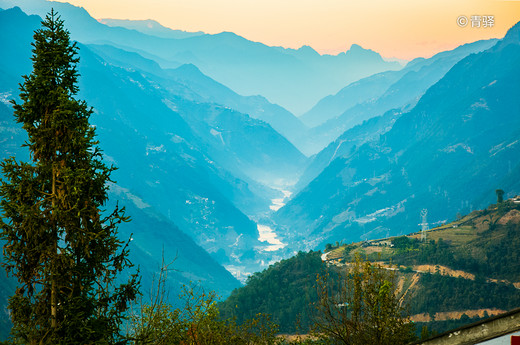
(212, 181)
(463, 270)
(283, 290)
(447, 155)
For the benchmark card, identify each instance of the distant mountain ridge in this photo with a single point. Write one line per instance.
(154, 237)
(149, 27)
(197, 97)
(403, 90)
(293, 79)
(379, 93)
(448, 154)
(196, 86)
(189, 159)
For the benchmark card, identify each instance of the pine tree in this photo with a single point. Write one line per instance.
(60, 243)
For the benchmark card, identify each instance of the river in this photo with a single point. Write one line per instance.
(266, 233)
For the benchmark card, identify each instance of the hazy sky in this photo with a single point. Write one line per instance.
(394, 28)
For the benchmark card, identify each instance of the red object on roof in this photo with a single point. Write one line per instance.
(515, 340)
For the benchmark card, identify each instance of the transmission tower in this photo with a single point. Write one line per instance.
(424, 224)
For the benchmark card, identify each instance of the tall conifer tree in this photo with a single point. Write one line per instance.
(60, 243)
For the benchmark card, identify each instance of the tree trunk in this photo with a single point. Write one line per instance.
(54, 310)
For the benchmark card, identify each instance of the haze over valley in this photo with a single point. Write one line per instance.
(233, 155)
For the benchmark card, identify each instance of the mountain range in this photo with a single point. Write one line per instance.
(202, 130)
(378, 94)
(403, 90)
(149, 27)
(447, 154)
(462, 272)
(188, 161)
(294, 79)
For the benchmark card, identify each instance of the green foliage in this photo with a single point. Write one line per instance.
(500, 195)
(407, 269)
(284, 291)
(403, 244)
(348, 250)
(450, 294)
(425, 333)
(432, 328)
(361, 307)
(436, 253)
(493, 254)
(197, 322)
(59, 243)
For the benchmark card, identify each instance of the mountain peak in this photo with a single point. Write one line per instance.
(228, 34)
(307, 50)
(13, 11)
(358, 51)
(512, 36)
(356, 47)
(188, 68)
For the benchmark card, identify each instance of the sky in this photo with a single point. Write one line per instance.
(402, 29)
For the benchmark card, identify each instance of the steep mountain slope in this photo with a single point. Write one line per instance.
(255, 106)
(361, 91)
(154, 236)
(407, 86)
(295, 79)
(284, 291)
(375, 86)
(172, 160)
(232, 150)
(353, 138)
(188, 81)
(160, 153)
(375, 95)
(458, 144)
(468, 268)
(155, 240)
(146, 224)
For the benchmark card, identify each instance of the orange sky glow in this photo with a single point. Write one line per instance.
(394, 28)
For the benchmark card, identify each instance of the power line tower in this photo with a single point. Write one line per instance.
(424, 224)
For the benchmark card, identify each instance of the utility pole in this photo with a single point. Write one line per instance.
(424, 224)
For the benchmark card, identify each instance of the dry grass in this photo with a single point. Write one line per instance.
(444, 271)
(456, 315)
(456, 236)
(336, 253)
(296, 337)
(373, 249)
